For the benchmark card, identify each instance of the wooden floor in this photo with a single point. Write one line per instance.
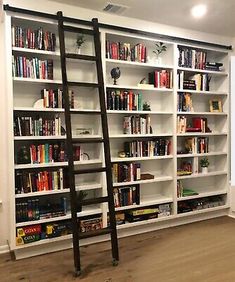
(203, 251)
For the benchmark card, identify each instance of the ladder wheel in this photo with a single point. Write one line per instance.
(115, 262)
(77, 273)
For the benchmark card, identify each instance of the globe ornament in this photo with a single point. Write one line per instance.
(115, 74)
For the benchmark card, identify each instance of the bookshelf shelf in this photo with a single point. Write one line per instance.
(25, 138)
(139, 112)
(41, 193)
(131, 159)
(203, 113)
(207, 210)
(218, 73)
(202, 134)
(34, 80)
(202, 194)
(31, 109)
(144, 222)
(201, 154)
(155, 179)
(197, 175)
(137, 64)
(35, 51)
(135, 87)
(220, 93)
(140, 135)
(145, 203)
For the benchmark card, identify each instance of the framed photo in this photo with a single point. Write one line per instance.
(215, 105)
(84, 131)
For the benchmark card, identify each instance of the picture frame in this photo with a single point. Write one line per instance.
(215, 105)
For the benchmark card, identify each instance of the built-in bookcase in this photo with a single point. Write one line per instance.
(155, 156)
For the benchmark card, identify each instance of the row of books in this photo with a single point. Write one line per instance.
(198, 82)
(37, 126)
(126, 52)
(126, 196)
(41, 153)
(32, 209)
(157, 147)
(199, 204)
(137, 124)
(192, 58)
(33, 39)
(54, 98)
(197, 145)
(125, 172)
(161, 78)
(28, 182)
(32, 68)
(124, 100)
(198, 124)
(184, 102)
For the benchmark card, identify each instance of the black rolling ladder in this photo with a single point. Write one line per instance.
(70, 141)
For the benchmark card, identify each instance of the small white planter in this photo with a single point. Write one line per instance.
(205, 169)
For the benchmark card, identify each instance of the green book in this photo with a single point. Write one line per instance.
(188, 192)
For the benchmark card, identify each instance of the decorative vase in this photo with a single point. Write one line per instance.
(79, 50)
(158, 60)
(205, 169)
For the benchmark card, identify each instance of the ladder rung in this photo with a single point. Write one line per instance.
(78, 29)
(103, 231)
(98, 200)
(83, 84)
(80, 57)
(90, 170)
(85, 112)
(87, 140)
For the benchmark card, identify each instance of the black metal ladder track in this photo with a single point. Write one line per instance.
(77, 203)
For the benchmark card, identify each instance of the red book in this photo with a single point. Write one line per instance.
(156, 78)
(197, 122)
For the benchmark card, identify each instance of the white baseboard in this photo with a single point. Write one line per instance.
(4, 249)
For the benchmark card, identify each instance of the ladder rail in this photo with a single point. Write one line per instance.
(73, 195)
(112, 217)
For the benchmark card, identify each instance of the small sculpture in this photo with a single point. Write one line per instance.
(115, 74)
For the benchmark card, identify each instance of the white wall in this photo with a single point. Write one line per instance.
(52, 7)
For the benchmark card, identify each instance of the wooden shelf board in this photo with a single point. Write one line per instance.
(197, 175)
(203, 113)
(222, 73)
(42, 193)
(203, 194)
(131, 159)
(36, 80)
(156, 179)
(201, 154)
(201, 134)
(135, 87)
(139, 112)
(203, 92)
(35, 51)
(138, 64)
(140, 135)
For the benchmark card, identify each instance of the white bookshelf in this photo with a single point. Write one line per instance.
(162, 189)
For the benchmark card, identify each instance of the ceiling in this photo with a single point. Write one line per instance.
(220, 17)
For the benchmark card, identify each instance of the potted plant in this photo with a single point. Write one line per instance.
(160, 48)
(204, 163)
(79, 41)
